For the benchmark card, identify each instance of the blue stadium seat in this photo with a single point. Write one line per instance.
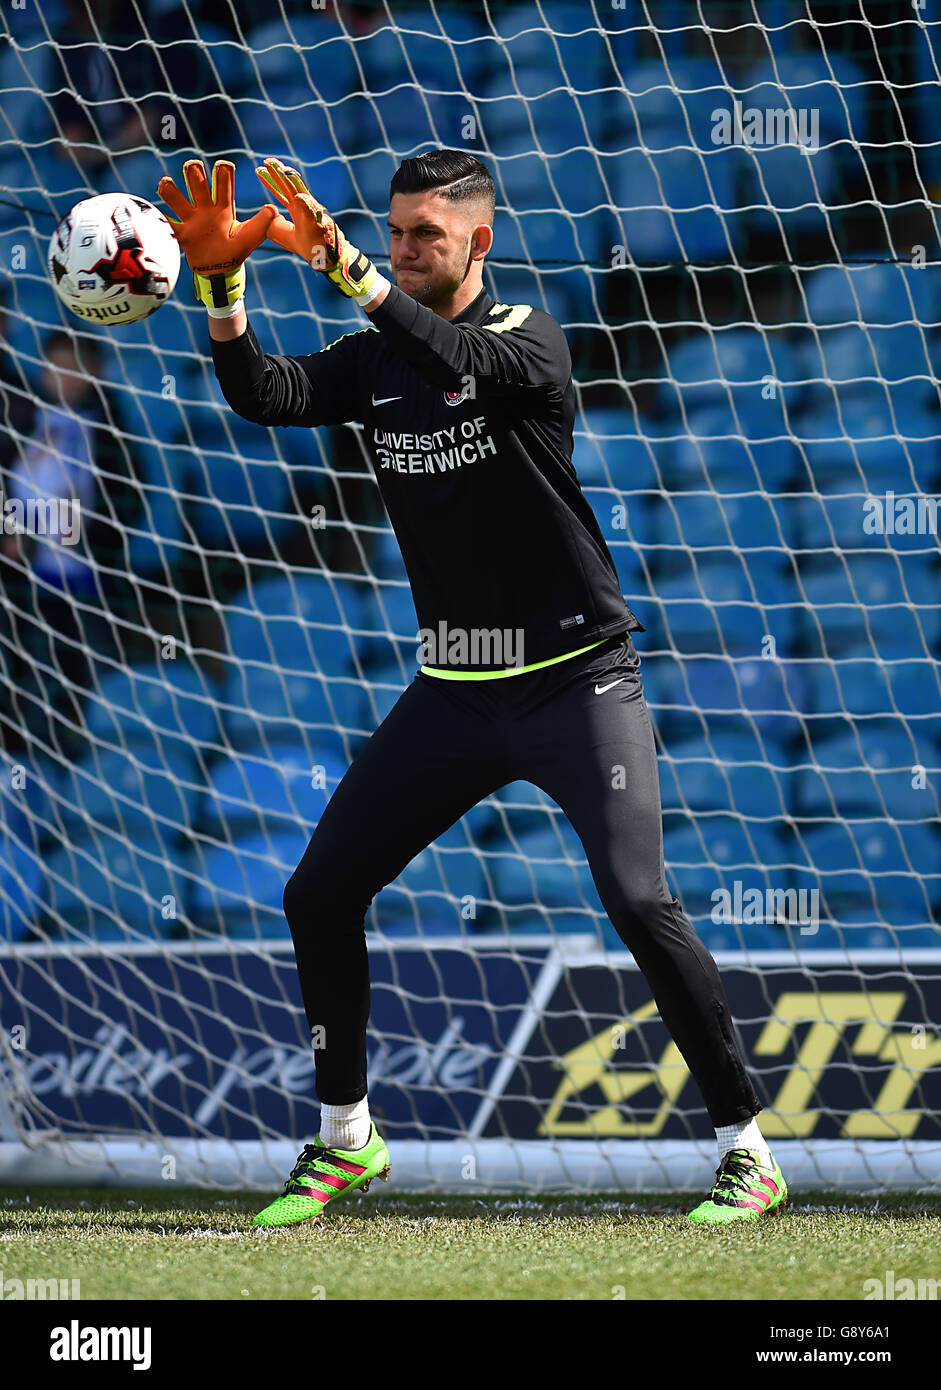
(519, 808)
(861, 869)
(385, 556)
(788, 188)
(264, 705)
(731, 450)
(20, 889)
(865, 769)
(734, 366)
(371, 175)
(869, 687)
(383, 687)
(157, 540)
(239, 889)
(445, 52)
(845, 462)
(167, 706)
(388, 616)
(704, 858)
(26, 73)
(581, 188)
(250, 794)
(540, 875)
(114, 889)
(674, 204)
(768, 697)
(149, 795)
(671, 103)
(877, 363)
(702, 520)
(833, 86)
(303, 57)
(627, 520)
(611, 448)
(885, 292)
(727, 773)
(428, 893)
(241, 488)
(299, 622)
(570, 37)
(878, 604)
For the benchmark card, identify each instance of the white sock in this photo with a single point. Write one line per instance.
(743, 1136)
(345, 1126)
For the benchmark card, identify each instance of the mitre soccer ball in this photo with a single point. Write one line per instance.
(113, 259)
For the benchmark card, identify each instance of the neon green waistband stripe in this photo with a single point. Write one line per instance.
(511, 671)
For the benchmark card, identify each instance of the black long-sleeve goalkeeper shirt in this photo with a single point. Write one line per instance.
(468, 422)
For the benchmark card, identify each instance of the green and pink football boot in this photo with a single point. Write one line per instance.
(743, 1190)
(321, 1175)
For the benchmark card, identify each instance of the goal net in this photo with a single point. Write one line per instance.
(732, 211)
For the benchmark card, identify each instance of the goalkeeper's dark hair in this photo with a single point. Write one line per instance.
(455, 174)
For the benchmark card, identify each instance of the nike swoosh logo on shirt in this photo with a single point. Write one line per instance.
(600, 689)
(385, 400)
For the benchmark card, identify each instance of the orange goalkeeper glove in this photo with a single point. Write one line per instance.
(312, 233)
(215, 244)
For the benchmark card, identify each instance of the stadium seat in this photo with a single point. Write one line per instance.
(612, 448)
(240, 889)
(834, 87)
(725, 773)
(302, 57)
(20, 889)
(729, 449)
(302, 622)
(672, 101)
(767, 697)
(519, 808)
(265, 705)
(720, 601)
(387, 615)
(867, 768)
(547, 876)
(863, 869)
(703, 520)
(426, 49)
(712, 855)
(788, 189)
(168, 705)
(673, 204)
(114, 889)
(156, 541)
(732, 367)
(429, 893)
(148, 795)
(248, 794)
(874, 363)
(872, 605)
(885, 292)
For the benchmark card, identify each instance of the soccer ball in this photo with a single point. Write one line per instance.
(113, 259)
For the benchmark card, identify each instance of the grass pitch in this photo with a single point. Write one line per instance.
(194, 1244)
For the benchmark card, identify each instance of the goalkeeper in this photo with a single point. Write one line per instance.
(467, 408)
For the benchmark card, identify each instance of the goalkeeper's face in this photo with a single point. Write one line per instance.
(435, 245)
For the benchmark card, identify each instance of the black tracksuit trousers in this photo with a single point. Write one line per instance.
(445, 746)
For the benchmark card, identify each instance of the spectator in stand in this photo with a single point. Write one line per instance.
(65, 572)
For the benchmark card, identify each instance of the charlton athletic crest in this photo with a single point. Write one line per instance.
(455, 397)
